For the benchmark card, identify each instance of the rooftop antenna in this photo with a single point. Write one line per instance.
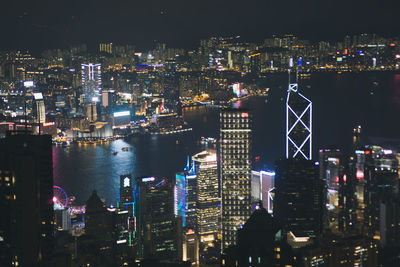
(26, 116)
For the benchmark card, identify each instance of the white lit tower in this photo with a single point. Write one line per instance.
(298, 120)
(235, 172)
(40, 107)
(298, 204)
(91, 82)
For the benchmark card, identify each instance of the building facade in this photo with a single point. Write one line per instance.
(382, 187)
(208, 201)
(186, 196)
(91, 81)
(126, 203)
(298, 197)
(159, 231)
(262, 189)
(235, 172)
(26, 193)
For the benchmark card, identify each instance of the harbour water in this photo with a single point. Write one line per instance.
(340, 101)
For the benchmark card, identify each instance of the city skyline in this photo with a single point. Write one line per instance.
(95, 46)
(180, 24)
(204, 133)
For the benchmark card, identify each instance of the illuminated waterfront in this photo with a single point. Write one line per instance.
(371, 99)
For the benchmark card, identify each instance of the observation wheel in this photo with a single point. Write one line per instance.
(60, 198)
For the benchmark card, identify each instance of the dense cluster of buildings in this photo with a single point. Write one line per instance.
(342, 209)
(97, 93)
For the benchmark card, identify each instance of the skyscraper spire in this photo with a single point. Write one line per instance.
(187, 168)
(298, 121)
(193, 168)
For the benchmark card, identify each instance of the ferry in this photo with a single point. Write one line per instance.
(305, 75)
(162, 124)
(208, 140)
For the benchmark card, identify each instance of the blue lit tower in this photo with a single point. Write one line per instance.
(186, 195)
(298, 122)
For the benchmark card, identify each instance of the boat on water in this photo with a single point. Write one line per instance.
(208, 140)
(115, 153)
(305, 75)
(65, 144)
(127, 148)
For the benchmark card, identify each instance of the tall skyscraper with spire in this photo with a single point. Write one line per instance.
(298, 122)
(298, 189)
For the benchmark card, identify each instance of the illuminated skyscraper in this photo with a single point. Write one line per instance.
(26, 193)
(126, 203)
(41, 112)
(91, 112)
(62, 218)
(40, 108)
(230, 61)
(105, 98)
(382, 186)
(91, 82)
(159, 231)
(262, 189)
(298, 189)
(357, 131)
(186, 196)
(330, 170)
(106, 47)
(208, 201)
(235, 168)
(191, 247)
(298, 123)
(255, 65)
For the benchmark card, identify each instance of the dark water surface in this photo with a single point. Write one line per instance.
(339, 103)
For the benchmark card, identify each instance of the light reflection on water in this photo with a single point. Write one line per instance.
(83, 168)
(339, 101)
(80, 169)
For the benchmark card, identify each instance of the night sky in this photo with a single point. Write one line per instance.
(40, 24)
